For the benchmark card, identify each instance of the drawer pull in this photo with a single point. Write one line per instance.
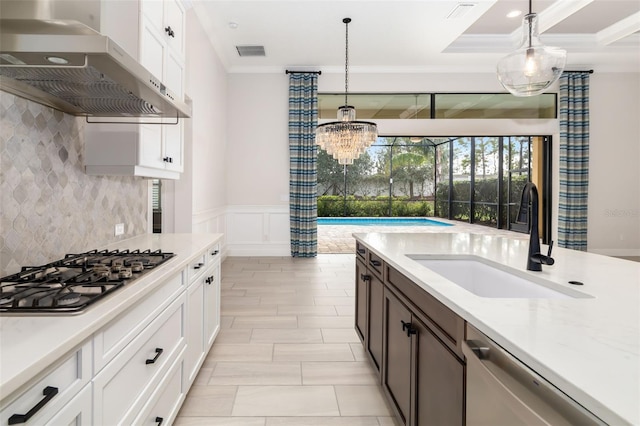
(159, 420)
(198, 265)
(215, 252)
(361, 251)
(408, 327)
(49, 392)
(155, 358)
(375, 263)
(364, 277)
(209, 280)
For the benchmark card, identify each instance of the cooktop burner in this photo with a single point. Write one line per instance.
(71, 284)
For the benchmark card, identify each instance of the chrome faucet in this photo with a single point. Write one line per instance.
(535, 259)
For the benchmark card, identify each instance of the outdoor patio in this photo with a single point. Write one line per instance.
(338, 238)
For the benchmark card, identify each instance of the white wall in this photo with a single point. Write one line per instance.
(614, 164)
(257, 177)
(202, 189)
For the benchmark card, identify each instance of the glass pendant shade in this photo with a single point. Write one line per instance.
(347, 138)
(533, 67)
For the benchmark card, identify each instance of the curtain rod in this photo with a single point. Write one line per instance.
(576, 72)
(303, 72)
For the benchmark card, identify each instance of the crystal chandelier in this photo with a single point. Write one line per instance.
(533, 67)
(346, 139)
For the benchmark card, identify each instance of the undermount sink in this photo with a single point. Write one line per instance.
(491, 280)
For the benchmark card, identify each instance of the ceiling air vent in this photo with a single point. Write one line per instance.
(250, 50)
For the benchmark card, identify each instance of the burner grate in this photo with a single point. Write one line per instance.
(71, 284)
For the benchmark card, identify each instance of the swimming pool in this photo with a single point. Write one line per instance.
(380, 221)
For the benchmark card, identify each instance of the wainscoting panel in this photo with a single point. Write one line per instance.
(257, 231)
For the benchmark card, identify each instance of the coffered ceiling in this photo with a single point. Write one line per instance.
(416, 35)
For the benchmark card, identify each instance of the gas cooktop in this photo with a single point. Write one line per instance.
(72, 284)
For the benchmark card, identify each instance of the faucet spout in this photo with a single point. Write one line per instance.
(535, 259)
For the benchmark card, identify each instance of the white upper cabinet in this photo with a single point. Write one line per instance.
(148, 150)
(162, 34)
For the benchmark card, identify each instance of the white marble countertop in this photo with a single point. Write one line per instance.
(588, 347)
(29, 344)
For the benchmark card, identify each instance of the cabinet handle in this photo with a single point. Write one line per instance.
(170, 32)
(408, 327)
(155, 358)
(215, 252)
(49, 392)
(159, 420)
(361, 251)
(375, 263)
(364, 277)
(168, 159)
(209, 280)
(198, 265)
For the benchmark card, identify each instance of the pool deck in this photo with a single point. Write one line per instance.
(337, 238)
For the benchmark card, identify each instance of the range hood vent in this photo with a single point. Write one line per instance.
(70, 67)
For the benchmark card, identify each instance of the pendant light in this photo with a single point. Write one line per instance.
(533, 67)
(346, 139)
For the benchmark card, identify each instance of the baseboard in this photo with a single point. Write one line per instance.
(244, 250)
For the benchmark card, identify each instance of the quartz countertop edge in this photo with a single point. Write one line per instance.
(51, 337)
(587, 347)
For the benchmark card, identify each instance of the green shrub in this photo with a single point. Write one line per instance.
(334, 206)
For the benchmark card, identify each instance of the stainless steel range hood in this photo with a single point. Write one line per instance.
(70, 67)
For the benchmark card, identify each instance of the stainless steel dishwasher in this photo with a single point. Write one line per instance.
(501, 390)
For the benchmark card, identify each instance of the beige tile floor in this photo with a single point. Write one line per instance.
(287, 353)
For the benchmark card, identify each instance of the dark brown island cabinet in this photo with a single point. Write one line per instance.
(369, 304)
(414, 342)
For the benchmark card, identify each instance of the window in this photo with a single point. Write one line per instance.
(382, 106)
(476, 179)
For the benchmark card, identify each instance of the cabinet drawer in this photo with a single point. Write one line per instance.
(110, 340)
(78, 412)
(62, 383)
(213, 254)
(375, 263)
(125, 383)
(447, 326)
(164, 404)
(361, 251)
(197, 267)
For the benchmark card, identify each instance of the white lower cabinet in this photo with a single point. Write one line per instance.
(52, 392)
(164, 404)
(126, 383)
(77, 412)
(203, 310)
(212, 307)
(138, 368)
(195, 331)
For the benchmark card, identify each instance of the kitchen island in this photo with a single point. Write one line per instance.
(587, 346)
(176, 303)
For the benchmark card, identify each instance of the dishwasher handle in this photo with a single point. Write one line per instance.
(495, 373)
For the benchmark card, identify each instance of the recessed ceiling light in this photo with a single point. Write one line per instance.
(233, 25)
(514, 14)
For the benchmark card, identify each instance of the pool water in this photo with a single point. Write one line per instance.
(380, 221)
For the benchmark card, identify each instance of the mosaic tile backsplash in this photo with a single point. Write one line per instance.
(49, 206)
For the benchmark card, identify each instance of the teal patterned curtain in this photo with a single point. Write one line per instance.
(303, 119)
(574, 160)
